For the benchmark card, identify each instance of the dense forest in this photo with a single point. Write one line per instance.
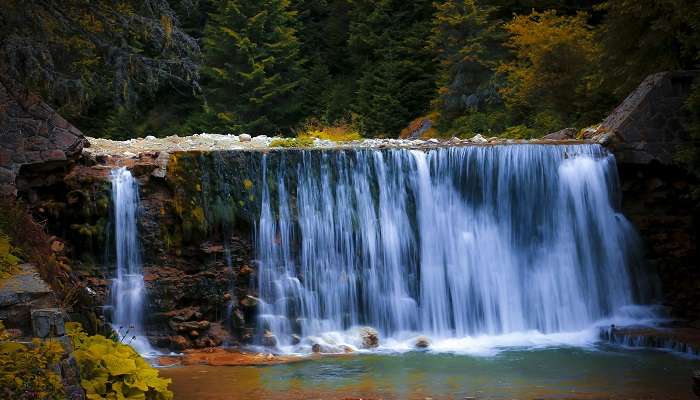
(514, 68)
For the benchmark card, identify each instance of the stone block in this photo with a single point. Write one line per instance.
(48, 322)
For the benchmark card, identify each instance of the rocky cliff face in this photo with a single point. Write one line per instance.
(34, 140)
(646, 131)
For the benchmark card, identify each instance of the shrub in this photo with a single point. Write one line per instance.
(8, 257)
(293, 142)
(111, 369)
(29, 240)
(26, 370)
(341, 132)
(519, 132)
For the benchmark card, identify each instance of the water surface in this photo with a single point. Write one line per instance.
(549, 373)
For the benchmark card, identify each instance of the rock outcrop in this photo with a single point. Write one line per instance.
(33, 139)
(645, 133)
(648, 125)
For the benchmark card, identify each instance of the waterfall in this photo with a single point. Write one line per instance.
(447, 242)
(128, 289)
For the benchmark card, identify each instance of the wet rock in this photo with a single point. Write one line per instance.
(422, 343)
(218, 335)
(189, 326)
(250, 302)
(316, 348)
(564, 134)
(296, 339)
(179, 342)
(269, 339)
(185, 314)
(245, 137)
(369, 337)
(478, 139)
(696, 383)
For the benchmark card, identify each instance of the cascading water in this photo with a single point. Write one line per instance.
(450, 243)
(128, 289)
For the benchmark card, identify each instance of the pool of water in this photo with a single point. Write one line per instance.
(523, 374)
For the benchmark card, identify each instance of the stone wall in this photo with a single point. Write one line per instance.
(32, 134)
(648, 125)
(645, 132)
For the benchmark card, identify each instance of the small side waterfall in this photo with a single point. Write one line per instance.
(128, 289)
(449, 243)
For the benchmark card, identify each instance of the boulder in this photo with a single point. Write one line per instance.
(422, 343)
(369, 337)
(189, 326)
(296, 339)
(269, 339)
(245, 137)
(185, 314)
(179, 342)
(48, 323)
(479, 139)
(250, 301)
(564, 134)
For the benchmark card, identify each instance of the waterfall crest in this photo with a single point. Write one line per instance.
(128, 289)
(449, 242)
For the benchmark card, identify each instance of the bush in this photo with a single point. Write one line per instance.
(293, 142)
(520, 132)
(110, 369)
(8, 257)
(26, 371)
(484, 123)
(30, 242)
(341, 132)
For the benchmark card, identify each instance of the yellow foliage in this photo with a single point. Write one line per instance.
(198, 214)
(336, 133)
(8, 257)
(26, 372)
(293, 142)
(247, 184)
(552, 56)
(110, 369)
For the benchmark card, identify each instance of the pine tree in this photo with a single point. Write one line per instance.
(467, 47)
(254, 70)
(388, 41)
(379, 91)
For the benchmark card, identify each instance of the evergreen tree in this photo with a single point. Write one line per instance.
(641, 37)
(379, 91)
(253, 78)
(323, 33)
(467, 47)
(388, 40)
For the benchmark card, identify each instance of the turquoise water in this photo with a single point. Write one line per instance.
(549, 373)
